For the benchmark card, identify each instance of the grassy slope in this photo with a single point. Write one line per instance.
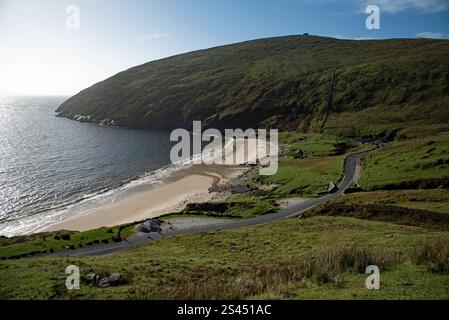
(55, 241)
(435, 200)
(281, 82)
(307, 177)
(243, 263)
(235, 206)
(413, 159)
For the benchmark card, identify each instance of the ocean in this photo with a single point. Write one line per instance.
(52, 168)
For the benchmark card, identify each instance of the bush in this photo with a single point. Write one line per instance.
(57, 237)
(65, 236)
(434, 255)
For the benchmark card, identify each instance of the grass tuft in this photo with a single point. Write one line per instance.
(323, 267)
(434, 255)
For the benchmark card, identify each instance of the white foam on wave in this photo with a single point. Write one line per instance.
(87, 202)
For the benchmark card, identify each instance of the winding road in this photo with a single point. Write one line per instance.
(139, 238)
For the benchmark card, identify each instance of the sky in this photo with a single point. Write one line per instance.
(45, 51)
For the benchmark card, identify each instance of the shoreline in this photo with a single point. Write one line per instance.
(189, 184)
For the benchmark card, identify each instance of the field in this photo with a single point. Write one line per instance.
(289, 259)
(304, 177)
(322, 163)
(408, 164)
(434, 200)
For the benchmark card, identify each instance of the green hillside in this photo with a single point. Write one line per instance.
(283, 82)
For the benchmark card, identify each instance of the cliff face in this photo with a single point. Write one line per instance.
(278, 82)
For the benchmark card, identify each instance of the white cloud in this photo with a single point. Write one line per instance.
(431, 35)
(394, 6)
(154, 36)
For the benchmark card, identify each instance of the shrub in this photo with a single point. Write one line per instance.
(434, 255)
(65, 237)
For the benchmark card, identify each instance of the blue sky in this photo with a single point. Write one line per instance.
(39, 55)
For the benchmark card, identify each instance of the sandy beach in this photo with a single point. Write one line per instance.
(188, 185)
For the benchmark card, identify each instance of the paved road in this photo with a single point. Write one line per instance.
(139, 239)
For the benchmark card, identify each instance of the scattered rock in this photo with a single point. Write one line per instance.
(92, 278)
(243, 189)
(299, 155)
(114, 279)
